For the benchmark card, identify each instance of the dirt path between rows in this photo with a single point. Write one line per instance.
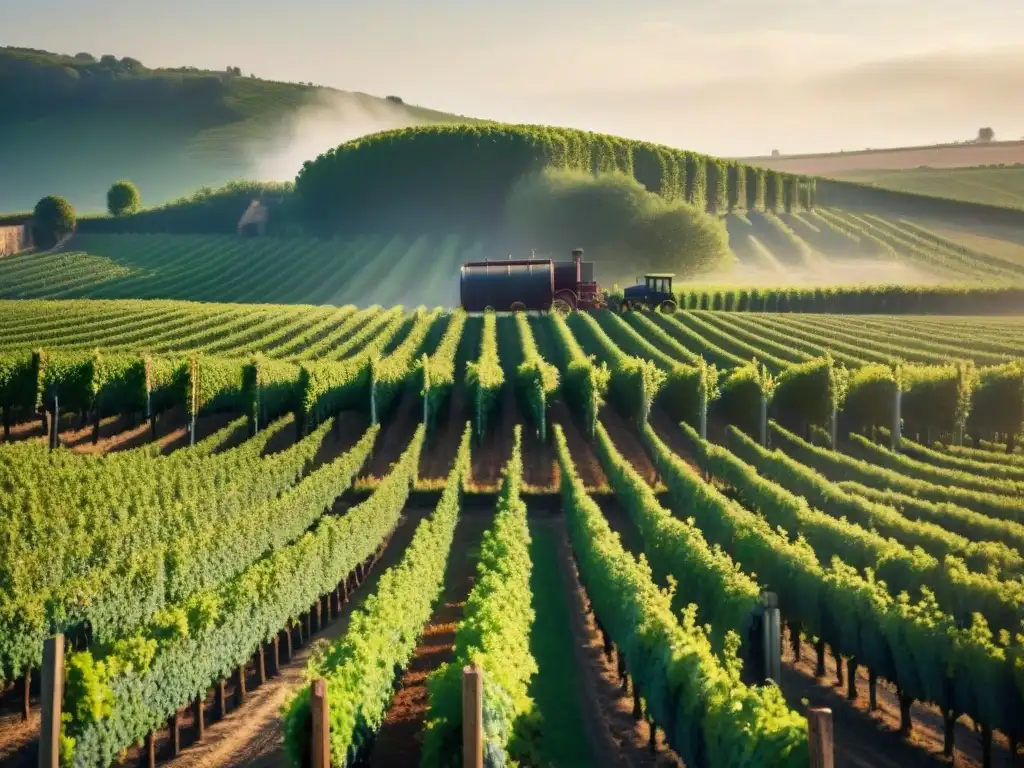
(400, 740)
(250, 736)
(615, 738)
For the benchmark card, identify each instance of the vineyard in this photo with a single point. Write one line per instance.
(210, 501)
(807, 247)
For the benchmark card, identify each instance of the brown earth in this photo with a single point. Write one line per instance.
(442, 444)
(395, 435)
(582, 451)
(864, 738)
(491, 453)
(627, 441)
(617, 739)
(400, 740)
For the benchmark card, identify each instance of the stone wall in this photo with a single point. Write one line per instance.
(14, 239)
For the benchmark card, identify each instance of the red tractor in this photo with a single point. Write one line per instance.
(530, 284)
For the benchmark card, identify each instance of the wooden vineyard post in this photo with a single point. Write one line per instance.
(472, 717)
(703, 412)
(819, 737)
(200, 716)
(764, 420)
(26, 701)
(240, 690)
(834, 427)
(174, 726)
(55, 426)
(426, 391)
(151, 749)
(222, 700)
(772, 637)
(897, 417)
(373, 395)
(320, 752)
(53, 698)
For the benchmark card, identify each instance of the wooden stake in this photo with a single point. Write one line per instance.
(200, 716)
(151, 749)
(772, 637)
(53, 698)
(261, 667)
(240, 691)
(222, 700)
(819, 737)
(320, 754)
(276, 642)
(175, 728)
(472, 717)
(26, 702)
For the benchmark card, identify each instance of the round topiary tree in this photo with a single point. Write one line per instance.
(52, 219)
(123, 198)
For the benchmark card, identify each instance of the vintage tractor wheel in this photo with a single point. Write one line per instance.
(518, 306)
(561, 306)
(667, 307)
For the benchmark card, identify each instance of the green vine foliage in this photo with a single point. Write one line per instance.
(122, 533)
(471, 168)
(890, 299)
(936, 399)
(635, 382)
(270, 387)
(889, 521)
(437, 372)
(725, 597)
(709, 716)
(537, 380)
(190, 645)
(382, 635)
(997, 401)
(742, 392)
(494, 634)
(840, 467)
(326, 387)
(391, 374)
(960, 592)
(807, 394)
(485, 376)
(585, 381)
(20, 386)
(913, 644)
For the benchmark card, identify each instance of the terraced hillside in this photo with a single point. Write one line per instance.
(333, 472)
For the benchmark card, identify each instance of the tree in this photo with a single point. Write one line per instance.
(123, 198)
(395, 99)
(986, 134)
(52, 219)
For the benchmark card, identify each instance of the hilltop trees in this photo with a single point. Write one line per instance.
(52, 219)
(985, 135)
(123, 198)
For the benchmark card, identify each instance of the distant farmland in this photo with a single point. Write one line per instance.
(992, 174)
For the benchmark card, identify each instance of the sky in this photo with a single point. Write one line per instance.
(727, 77)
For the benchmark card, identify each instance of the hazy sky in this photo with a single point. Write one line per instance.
(728, 77)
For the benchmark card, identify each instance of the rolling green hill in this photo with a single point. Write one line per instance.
(71, 125)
